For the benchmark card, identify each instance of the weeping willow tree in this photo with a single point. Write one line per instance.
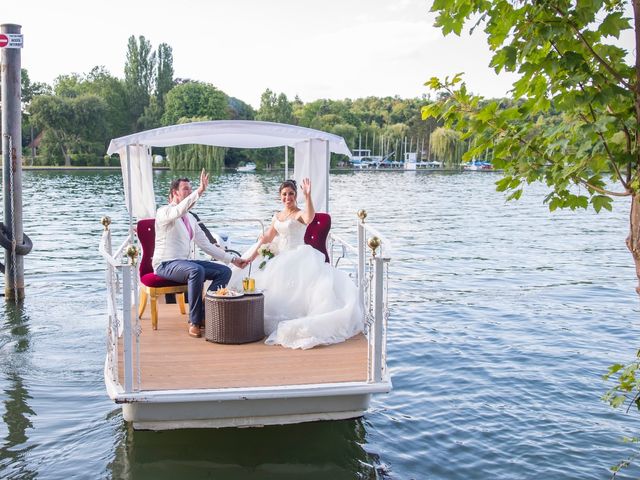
(446, 145)
(195, 157)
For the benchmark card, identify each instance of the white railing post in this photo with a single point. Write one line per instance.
(378, 318)
(112, 344)
(361, 255)
(132, 253)
(126, 332)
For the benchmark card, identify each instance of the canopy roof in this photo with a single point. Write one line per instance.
(229, 133)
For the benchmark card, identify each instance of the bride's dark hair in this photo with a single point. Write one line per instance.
(290, 184)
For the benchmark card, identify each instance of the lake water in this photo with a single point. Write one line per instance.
(503, 319)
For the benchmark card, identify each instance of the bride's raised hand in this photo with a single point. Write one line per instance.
(306, 187)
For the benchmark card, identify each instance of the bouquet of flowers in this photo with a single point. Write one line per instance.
(267, 251)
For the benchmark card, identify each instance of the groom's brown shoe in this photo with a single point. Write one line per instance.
(194, 331)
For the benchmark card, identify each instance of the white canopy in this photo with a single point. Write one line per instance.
(312, 148)
(229, 133)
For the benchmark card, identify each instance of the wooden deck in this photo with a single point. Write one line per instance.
(171, 360)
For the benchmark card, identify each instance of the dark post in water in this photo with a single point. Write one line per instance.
(12, 159)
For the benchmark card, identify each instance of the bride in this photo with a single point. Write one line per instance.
(307, 301)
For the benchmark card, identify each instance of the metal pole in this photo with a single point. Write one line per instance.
(127, 271)
(326, 193)
(12, 162)
(361, 252)
(286, 162)
(378, 316)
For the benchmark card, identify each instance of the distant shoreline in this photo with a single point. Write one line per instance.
(337, 169)
(64, 167)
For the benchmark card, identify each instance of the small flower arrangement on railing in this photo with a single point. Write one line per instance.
(267, 251)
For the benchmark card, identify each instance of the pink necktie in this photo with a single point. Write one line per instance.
(186, 224)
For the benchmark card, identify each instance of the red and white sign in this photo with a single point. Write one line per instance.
(10, 40)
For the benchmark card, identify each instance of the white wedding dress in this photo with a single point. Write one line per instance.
(307, 301)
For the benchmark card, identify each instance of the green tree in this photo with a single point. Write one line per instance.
(152, 116)
(101, 83)
(195, 157)
(349, 133)
(139, 76)
(275, 108)
(195, 99)
(309, 111)
(164, 73)
(395, 135)
(29, 91)
(239, 110)
(346, 131)
(446, 145)
(75, 128)
(575, 121)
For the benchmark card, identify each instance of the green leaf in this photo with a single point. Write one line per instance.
(601, 201)
(616, 367)
(515, 195)
(488, 112)
(503, 184)
(617, 401)
(434, 83)
(613, 24)
(504, 58)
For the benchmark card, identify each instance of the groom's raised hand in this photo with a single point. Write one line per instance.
(204, 182)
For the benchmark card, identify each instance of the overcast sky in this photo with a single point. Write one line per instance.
(322, 49)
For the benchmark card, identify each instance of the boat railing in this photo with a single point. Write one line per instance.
(121, 282)
(373, 286)
(372, 279)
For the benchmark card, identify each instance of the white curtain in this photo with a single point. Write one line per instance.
(312, 160)
(143, 200)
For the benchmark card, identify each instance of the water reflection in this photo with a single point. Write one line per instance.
(14, 345)
(318, 450)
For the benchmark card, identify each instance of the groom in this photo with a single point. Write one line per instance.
(176, 232)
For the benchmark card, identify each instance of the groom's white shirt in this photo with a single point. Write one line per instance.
(172, 237)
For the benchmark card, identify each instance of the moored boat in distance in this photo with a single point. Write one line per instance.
(247, 167)
(163, 379)
(477, 166)
(411, 163)
(362, 158)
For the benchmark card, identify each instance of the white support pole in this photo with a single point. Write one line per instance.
(328, 151)
(378, 312)
(126, 332)
(286, 162)
(129, 195)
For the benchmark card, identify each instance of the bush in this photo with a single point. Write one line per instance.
(85, 160)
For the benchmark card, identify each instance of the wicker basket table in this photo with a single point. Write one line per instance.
(234, 320)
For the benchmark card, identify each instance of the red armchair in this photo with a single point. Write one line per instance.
(317, 233)
(153, 285)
